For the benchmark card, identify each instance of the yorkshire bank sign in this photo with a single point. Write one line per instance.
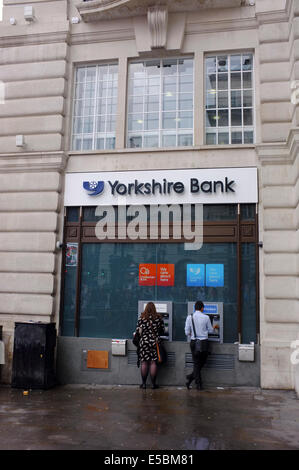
(201, 186)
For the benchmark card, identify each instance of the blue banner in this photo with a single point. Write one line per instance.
(215, 275)
(195, 275)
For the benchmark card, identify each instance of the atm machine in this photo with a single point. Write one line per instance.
(165, 309)
(215, 311)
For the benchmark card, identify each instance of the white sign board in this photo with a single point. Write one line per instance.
(202, 186)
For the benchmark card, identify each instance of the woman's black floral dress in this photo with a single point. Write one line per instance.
(151, 330)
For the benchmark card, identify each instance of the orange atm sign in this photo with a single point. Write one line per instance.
(156, 274)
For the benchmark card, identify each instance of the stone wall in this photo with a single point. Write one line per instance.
(33, 63)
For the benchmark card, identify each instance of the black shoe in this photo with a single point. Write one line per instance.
(188, 384)
(155, 386)
(189, 381)
(142, 386)
(198, 387)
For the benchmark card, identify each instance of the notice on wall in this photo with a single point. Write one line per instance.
(165, 275)
(195, 275)
(215, 275)
(147, 274)
(71, 256)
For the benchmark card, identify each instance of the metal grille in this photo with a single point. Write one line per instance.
(214, 361)
(132, 358)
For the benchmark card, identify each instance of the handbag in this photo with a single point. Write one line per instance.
(201, 345)
(136, 337)
(161, 353)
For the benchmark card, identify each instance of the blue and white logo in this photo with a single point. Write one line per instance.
(95, 187)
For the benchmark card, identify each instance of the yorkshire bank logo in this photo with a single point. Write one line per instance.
(94, 187)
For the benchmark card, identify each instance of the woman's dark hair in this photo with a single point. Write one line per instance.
(150, 311)
(199, 305)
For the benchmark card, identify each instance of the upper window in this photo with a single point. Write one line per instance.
(229, 99)
(160, 103)
(94, 110)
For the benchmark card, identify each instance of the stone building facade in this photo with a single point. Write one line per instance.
(43, 44)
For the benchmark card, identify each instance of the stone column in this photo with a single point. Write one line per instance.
(278, 154)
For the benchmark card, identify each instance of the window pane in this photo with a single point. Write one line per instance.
(235, 62)
(210, 65)
(88, 125)
(77, 127)
(223, 81)
(185, 140)
(210, 138)
(236, 101)
(135, 104)
(236, 117)
(101, 123)
(223, 138)
(135, 122)
(169, 84)
(223, 118)
(168, 120)
(222, 99)
(110, 142)
(169, 140)
(77, 143)
(185, 66)
(211, 82)
(169, 102)
(222, 65)
(151, 121)
(211, 117)
(170, 66)
(185, 101)
(87, 143)
(185, 120)
(247, 80)
(186, 83)
(247, 62)
(151, 103)
(247, 98)
(247, 117)
(135, 141)
(151, 141)
(248, 137)
(211, 99)
(235, 79)
(236, 137)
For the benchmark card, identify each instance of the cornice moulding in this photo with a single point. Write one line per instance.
(280, 153)
(39, 161)
(95, 10)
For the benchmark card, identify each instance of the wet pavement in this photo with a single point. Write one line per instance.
(127, 418)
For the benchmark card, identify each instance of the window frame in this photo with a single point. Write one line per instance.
(159, 131)
(94, 135)
(229, 128)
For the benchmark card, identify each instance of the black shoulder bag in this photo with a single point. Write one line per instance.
(201, 345)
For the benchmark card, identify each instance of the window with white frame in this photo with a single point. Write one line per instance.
(229, 99)
(94, 107)
(160, 103)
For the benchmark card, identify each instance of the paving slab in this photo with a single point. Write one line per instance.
(128, 418)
